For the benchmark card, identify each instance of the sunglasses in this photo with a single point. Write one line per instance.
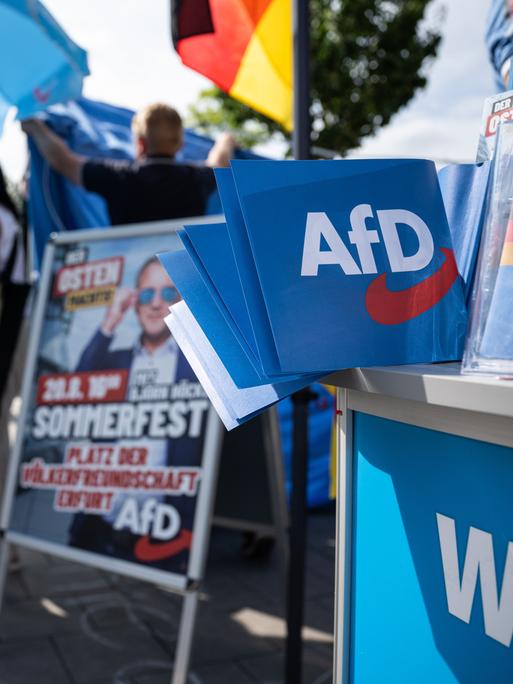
(168, 294)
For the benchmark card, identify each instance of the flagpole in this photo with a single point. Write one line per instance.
(301, 89)
(300, 400)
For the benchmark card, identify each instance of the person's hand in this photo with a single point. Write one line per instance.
(222, 151)
(32, 126)
(227, 139)
(54, 149)
(123, 300)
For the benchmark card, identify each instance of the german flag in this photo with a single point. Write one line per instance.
(243, 46)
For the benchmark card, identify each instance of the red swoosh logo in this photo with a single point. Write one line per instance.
(42, 96)
(392, 307)
(144, 550)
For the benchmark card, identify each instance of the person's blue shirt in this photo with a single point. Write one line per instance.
(499, 38)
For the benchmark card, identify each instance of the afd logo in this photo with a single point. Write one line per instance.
(384, 305)
(159, 527)
(460, 589)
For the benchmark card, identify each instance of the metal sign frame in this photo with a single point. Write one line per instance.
(273, 465)
(186, 585)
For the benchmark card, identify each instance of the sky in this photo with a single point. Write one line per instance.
(442, 121)
(132, 63)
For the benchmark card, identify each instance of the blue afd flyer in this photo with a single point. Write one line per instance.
(354, 260)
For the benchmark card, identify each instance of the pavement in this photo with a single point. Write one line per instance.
(65, 623)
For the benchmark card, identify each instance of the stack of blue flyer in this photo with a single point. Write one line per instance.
(464, 190)
(319, 266)
(489, 345)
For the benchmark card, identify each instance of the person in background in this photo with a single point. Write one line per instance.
(499, 39)
(14, 291)
(13, 280)
(154, 186)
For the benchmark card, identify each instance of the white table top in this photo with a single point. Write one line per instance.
(438, 384)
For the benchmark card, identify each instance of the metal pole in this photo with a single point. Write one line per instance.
(296, 570)
(274, 462)
(296, 573)
(301, 33)
(4, 560)
(185, 637)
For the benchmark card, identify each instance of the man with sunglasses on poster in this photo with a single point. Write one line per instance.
(153, 295)
(155, 362)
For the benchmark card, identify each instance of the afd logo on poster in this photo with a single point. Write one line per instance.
(324, 246)
(159, 527)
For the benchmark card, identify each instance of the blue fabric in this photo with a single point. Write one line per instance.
(92, 129)
(498, 36)
(464, 188)
(51, 70)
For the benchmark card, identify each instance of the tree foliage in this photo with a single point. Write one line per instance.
(368, 59)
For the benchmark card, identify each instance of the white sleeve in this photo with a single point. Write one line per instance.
(505, 72)
(9, 230)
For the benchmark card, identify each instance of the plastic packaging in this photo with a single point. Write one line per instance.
(489, 344)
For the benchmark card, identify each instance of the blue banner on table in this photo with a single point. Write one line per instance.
(432, 568)
(354, 261)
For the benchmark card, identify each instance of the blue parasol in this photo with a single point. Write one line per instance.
(39, 64)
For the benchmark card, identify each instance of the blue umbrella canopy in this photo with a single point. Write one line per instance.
(39, 64)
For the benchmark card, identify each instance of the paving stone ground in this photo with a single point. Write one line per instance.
(64, 623)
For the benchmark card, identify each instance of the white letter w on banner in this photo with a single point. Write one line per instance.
(479, 559)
